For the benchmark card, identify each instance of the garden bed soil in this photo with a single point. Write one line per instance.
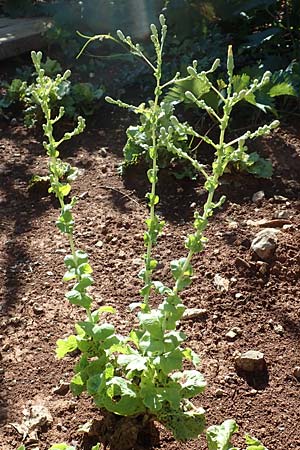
(263, 300)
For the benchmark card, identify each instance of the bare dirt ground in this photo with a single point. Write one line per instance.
(262, 300)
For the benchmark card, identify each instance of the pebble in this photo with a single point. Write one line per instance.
(37, 308)
(99, 244)
(265, 242)
(282, 214)
(233, 333)
(280, 199)
(263, 267)
(194, 313)
(258, 196)
(221, 283)
(296, 372)
(250, 361)
(219, 392)
(278, 329)
(103, 152)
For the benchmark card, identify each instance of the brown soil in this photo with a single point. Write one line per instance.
(260, 297)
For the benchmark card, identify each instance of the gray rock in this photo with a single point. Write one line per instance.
(258, 196)
(265, 242)
(194, 313)
(282, 214)
(233, 333)
(250, 361)
(221, 283)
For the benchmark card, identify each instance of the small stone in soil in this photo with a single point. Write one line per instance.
(103, 152)
(265, 242)
(194, 313)
(219, 392)
(262, 267)
(37, 308)
(296, 372)
(221, 283)
(258, 196)
(278, 329)
(233, 333)
(282, 214)
(251, 361)
(99, 244)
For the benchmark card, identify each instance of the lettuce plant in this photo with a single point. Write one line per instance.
(145, 372)
(219, 437)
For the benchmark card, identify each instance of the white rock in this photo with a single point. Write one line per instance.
(221, 283)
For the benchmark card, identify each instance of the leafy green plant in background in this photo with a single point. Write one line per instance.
(76, 98)
(42, 92)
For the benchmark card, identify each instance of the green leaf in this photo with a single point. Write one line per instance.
(191, 381)
(96, 447)
(152, 322)
(169, 361)
(101, 332)
(56, 447)
(77, 385)
(219, 436)
(184, 425)
(64, 346)
(254, 444)
(190, 355)
(133, 362)
(283, 88)
(122, 397)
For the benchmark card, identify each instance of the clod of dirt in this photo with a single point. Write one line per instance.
(36, 417)
(194, 313)
(258, 196)
(251, 361)
(265, 243)
(61, 389)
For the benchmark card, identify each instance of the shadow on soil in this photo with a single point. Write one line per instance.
(117, 432)
(18, 210)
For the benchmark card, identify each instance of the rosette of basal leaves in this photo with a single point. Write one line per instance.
(219, 437)
(140, 374)
(139, 137)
